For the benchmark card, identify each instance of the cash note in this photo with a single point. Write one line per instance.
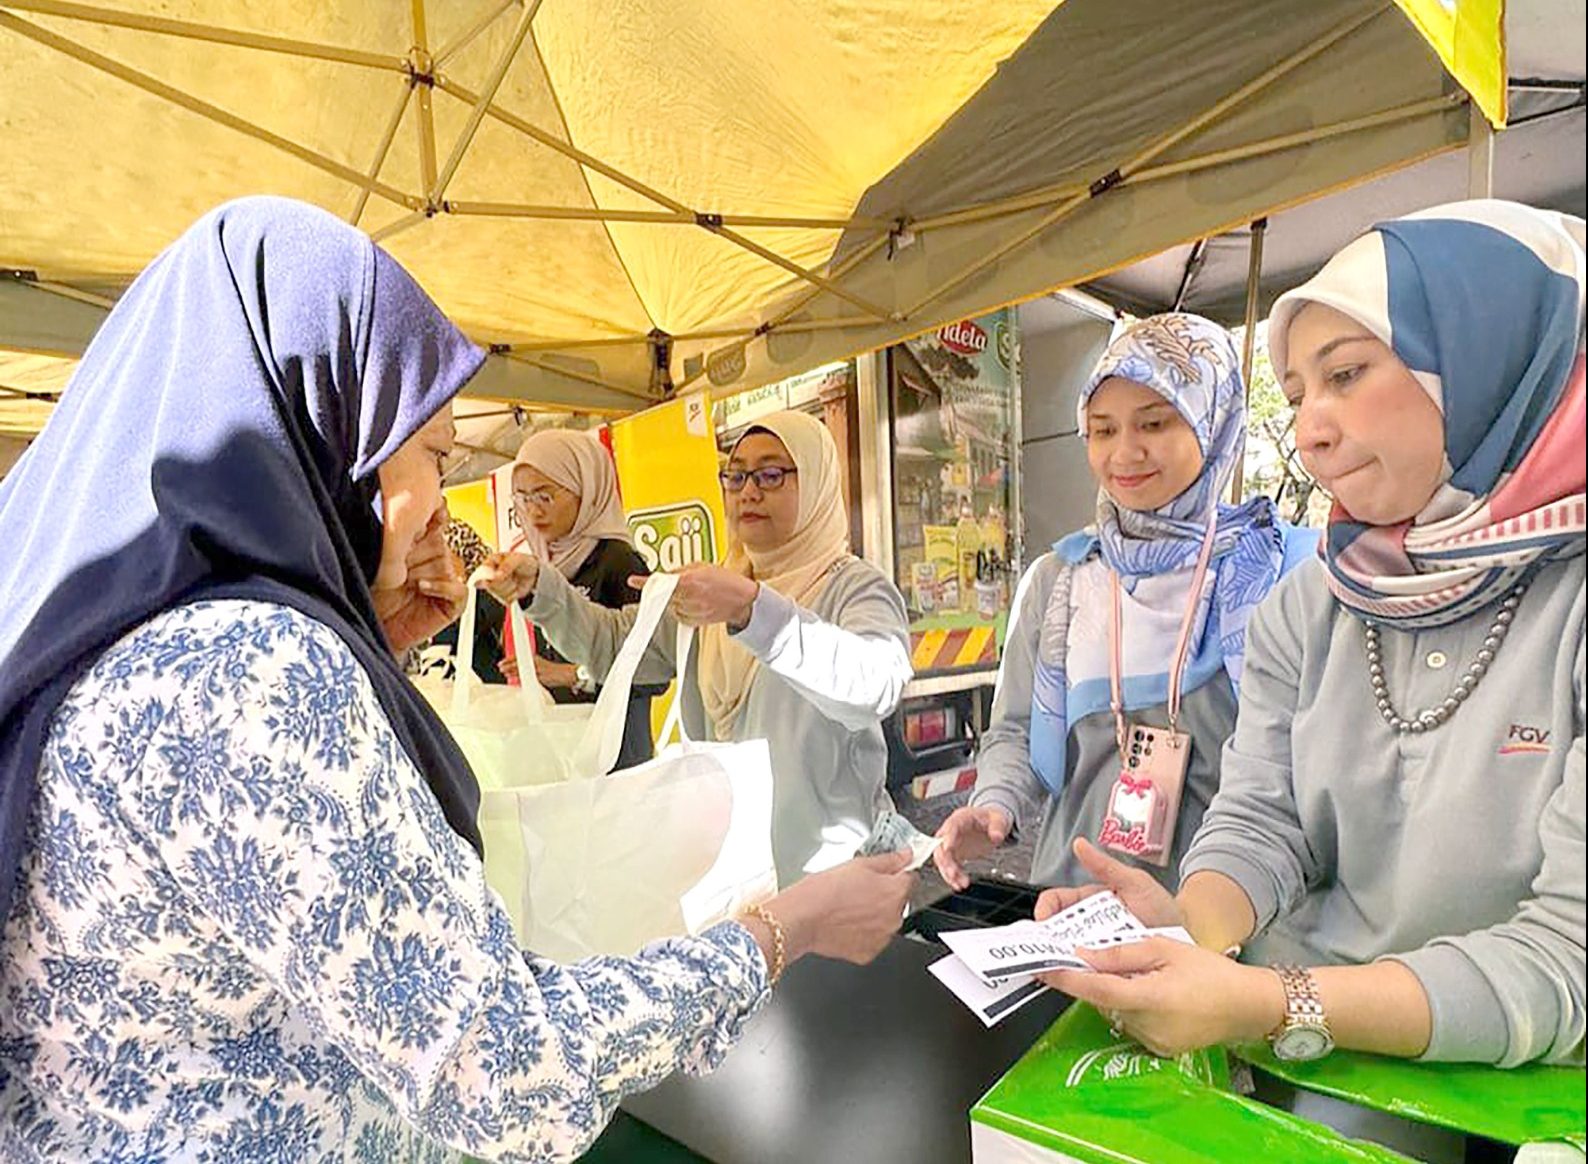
(893, 832)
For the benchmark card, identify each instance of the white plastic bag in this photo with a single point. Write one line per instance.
(590, 864)
(511, 736)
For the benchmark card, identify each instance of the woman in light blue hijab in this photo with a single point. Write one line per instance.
(1164, 416)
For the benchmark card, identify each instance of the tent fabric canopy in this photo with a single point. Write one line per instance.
(627, 198)
(1538, 160)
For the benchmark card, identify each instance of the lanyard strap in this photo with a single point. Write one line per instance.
(1182, 646)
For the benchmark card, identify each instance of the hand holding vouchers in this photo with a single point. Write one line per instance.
(993, 971)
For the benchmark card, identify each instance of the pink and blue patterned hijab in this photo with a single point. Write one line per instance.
(221, 439)
(1192, 363)
(1483, 301)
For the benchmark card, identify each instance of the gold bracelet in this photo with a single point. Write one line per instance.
(779, 942)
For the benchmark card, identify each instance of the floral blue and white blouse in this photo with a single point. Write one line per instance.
(246, 933)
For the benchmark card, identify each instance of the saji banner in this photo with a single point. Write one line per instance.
(667, 467)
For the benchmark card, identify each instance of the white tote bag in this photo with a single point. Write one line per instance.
(591, 864)
(511, 736)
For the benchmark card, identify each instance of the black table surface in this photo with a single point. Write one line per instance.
(875, 1063)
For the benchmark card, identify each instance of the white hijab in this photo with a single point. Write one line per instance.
(579, 463)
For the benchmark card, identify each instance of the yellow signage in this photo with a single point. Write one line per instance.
(667, 467)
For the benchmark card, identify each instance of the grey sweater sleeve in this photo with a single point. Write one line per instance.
(1004, 778)
(1514, 992)
(591, 634)
(853, 668)
(1252, 832)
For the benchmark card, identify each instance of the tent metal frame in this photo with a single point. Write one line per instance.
(1254, 283)
(420, 75)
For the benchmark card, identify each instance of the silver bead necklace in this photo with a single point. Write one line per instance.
(1427, 721)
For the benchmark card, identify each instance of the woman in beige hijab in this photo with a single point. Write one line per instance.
(802, 644)
(565, 498)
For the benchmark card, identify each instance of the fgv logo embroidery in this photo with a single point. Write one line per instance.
(1524, 738)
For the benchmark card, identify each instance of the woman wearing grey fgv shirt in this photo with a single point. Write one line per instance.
(1400, 820)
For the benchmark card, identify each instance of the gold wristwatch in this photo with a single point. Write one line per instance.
(1304, 1034)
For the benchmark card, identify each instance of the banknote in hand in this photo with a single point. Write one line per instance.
(893, 832)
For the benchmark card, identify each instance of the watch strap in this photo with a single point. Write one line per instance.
(1303, 1003)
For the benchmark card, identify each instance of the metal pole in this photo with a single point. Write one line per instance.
(477, 114)
(1480, 154)
(1050, 195)
(381, 151)
(192, 31)
(1254, 278)
(876, 460)
(1151, 153)
(203, 108)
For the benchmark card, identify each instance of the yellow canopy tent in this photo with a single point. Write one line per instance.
(627, 198)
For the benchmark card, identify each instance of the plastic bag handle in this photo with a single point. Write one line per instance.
(532, 695)
(674, 720)
(603, 735)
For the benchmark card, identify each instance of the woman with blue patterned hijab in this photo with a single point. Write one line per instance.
(1164, 415)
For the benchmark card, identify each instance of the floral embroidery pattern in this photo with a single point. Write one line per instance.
(247, 934)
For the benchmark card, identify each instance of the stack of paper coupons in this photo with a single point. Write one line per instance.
(993, 971)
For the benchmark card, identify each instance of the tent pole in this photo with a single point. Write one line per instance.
(665, 217)
(727, 333)
(477, 114)
(582, 377)
(397, 226)
(1124, 172)
(1193, 264)
(24, 394)
(566, 149)
(1254, 282)
(388, 135)
(625, 341)
(1049, 195)
(1411, 112)
(791, 327)
(193, 31)
(800, 272)
(780, 318)
(468, 36)
(1033, 200)
(66, 292)
(708, 222)
(203, 108)
(778, 322)
(1480, 154)
(421, 72)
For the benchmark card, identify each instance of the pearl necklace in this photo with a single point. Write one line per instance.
(1427, 721)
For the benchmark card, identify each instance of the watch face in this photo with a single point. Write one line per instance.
(1300, 1044)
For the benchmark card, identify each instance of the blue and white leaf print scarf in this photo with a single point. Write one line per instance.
(1192, 363)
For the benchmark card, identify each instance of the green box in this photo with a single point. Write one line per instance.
(1082, 1094)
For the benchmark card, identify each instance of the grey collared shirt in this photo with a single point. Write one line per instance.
(1458, 852)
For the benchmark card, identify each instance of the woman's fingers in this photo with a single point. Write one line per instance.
(1131, 958)
(1058, 900)
(1104, 991)
(1112, 874)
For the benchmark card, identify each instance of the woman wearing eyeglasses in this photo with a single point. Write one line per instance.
(801, 644)
(565, 495)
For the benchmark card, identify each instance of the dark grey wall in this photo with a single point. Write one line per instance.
(1059, 343)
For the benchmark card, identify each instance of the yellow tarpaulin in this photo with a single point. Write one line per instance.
(1469, 36)
(627, 198)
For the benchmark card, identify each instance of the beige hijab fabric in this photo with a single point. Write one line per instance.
(580, 463)
(797, 569)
